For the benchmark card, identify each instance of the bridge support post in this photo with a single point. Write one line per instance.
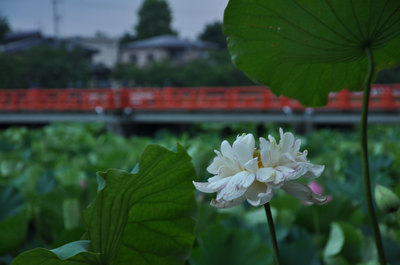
(308, 121)
(116, 128)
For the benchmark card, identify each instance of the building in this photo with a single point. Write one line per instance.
(103, 61)
(107, 49)
(165, 47)
(96, 53)
(15, 42)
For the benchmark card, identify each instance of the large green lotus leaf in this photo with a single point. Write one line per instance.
(305, 49)
(74, 253)
(145, 217)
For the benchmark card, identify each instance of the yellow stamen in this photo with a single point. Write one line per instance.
(258, 155)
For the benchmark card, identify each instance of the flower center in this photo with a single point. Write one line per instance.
(258, 156)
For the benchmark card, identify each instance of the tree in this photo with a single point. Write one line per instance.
(4, 27)
(216, 70)
(44, 66)
(154, 19)
(389, 76)
(126, 38)
(213, 33)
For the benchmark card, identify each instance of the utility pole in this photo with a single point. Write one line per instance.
(56, 19)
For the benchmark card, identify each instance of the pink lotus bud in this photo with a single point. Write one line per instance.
(315, 187)
(318, 189)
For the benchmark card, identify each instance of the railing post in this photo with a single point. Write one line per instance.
(234, 97)
(284, 102)
(387, 100)
(168, 98)
(33, 99)
(110, 100)
(63, 100)
(344, 100)
(265, 98)
(124, 98)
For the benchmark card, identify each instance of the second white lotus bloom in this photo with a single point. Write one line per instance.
(243, 173)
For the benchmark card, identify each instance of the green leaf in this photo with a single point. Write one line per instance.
(305, 49)
(45, 183)
(141, 218)
(13, 232)
(256, 216)
(13, 220)
(11, 202)
(299, 248)
(146, 217)
(71, 249)
(352, 249)
(74, 253)
(323, 215)
(71, 213)
(70, 175)
(393, 251)
(219, 245)
(345, 239)
(335, 241)
(49, 219)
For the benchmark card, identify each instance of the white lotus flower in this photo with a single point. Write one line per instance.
(282, 163)
(243, 173)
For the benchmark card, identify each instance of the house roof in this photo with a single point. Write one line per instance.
(169, 41)
(22, 45)
(22, 35)
(22, 41)
(71, 44)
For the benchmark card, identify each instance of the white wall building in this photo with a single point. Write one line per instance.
(107, 49)
(165, 47)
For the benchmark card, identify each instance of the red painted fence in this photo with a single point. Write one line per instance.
(383, 97)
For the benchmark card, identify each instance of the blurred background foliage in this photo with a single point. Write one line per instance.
(216, 70)
(47, 177)
(45, 66)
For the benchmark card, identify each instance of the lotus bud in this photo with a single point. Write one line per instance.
(386, 200)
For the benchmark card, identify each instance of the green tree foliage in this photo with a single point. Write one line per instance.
(4, 27)
(154, 19)
(217, 70)
(213, 33)
(44, 66)
(389, 76)
(127, 37)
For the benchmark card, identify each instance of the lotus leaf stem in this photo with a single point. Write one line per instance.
(364, 156)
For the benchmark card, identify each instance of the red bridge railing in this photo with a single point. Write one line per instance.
(383, 97)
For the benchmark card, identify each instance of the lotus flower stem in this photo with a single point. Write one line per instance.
(364, 156)
(272, 232)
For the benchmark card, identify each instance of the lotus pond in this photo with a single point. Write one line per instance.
(48, 179)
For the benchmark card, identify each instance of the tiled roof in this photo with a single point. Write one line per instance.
(169, 41)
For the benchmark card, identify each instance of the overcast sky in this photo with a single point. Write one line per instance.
(113, 17)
